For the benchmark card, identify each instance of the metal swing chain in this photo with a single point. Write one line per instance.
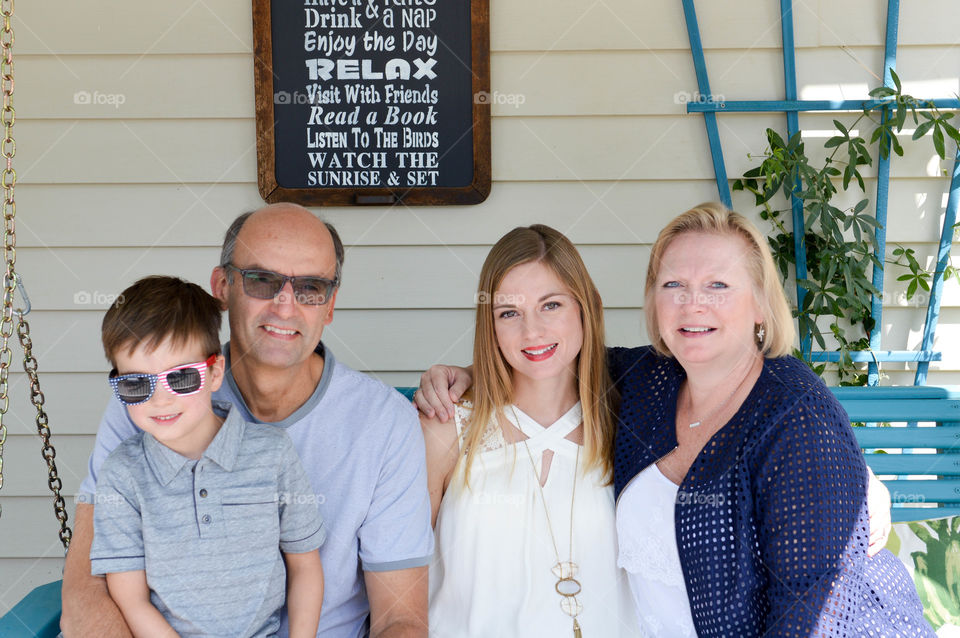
(8, 179)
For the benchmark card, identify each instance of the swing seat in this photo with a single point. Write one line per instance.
(36, 616)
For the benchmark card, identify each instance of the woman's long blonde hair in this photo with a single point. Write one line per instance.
(492, 376)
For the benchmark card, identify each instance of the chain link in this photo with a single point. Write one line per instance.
(8, 180)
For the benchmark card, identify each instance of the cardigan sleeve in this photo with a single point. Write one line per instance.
(810, 492)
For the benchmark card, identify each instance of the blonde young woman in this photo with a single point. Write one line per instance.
(520, 478)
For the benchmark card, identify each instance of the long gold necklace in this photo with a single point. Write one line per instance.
(566, 571)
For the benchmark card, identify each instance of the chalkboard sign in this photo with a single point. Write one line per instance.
(372, 101)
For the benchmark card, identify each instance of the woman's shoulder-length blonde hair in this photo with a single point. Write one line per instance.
(492, 377)
(715, 218)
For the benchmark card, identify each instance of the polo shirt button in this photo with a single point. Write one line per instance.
(206, 518)
(203, 493)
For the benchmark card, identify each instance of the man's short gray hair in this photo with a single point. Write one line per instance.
(230, 244)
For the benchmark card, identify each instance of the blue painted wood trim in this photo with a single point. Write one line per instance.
(793, 127)
(867, 356)
(883, 190)
(943, 257)
(910, 514)
(36, 616)
(709, 119)
(782, 106)
(847, 394)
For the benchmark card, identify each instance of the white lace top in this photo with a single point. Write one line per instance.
(648, 552)
(491, 574)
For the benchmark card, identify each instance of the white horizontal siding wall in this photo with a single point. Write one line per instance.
(601, 148)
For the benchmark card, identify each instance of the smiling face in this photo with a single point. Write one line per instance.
(537, 322)
(279, 332)
(705, 304)
(185, 424)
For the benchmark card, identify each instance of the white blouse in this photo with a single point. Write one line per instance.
(648, 553)
(491, 574)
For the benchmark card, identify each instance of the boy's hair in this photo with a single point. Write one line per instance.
(158, 307)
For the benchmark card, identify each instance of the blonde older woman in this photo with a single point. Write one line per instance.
(742, 492)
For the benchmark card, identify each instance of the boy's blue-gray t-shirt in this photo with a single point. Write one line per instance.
(361, 446)
(208, 532)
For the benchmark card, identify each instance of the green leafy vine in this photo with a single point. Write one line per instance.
(841, 243)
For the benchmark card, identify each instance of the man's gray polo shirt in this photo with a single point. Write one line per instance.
(208, 532)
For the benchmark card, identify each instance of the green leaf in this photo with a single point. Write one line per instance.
(896, 80)
(922, 130)
(938, 142)
(896, 146)
(834, 141)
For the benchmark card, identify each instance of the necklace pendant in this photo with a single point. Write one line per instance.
(576, 629)
(565, 570)
(695, 424)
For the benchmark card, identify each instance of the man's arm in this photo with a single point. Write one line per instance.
(304, 592)
(88, 609)
(398, 603)
(440, 387)
(132, 594)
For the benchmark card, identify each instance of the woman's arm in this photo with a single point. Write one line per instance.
(809, 491)
(878, 504)
(304, 592)
(132, 595)
(443, 450)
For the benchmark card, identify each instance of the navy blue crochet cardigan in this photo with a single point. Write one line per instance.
(771, 520)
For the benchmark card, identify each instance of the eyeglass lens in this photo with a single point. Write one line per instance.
(139, 388)
(264, 284)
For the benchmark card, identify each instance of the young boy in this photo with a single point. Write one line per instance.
(198, 513)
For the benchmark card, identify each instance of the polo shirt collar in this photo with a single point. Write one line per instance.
(223, 449)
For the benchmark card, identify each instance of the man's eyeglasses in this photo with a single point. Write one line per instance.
(137, 388)
(266, 284)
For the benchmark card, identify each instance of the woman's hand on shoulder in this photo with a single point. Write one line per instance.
(440, 388)
(442, 444)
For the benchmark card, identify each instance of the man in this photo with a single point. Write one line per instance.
(359, 441)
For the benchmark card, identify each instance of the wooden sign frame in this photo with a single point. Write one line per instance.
(267, 181)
